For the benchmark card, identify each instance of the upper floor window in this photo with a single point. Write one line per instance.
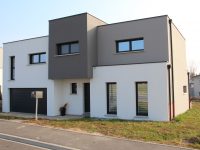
(68, 48)
(130, 45)
(37, 58)
(12, 68)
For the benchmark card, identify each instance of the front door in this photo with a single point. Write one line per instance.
(87, 97)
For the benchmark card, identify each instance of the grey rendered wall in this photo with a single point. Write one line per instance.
(63, 30)
(153, 30)
(82, 28)
(92, 23)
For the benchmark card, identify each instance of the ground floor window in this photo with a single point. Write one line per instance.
(141, 98)
(73, 88)
(112, 98)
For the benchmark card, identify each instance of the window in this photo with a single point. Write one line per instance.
(185, 89)
(12, 68)
(130, 45)
(37, 58)
(74, 88)
(111, 98)
(141, 99)
(123, 46)
(68, 48)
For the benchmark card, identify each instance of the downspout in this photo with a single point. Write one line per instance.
(172, 66)
(169, 88)
(188, 74)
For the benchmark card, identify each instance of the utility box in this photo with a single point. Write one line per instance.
(37, 94)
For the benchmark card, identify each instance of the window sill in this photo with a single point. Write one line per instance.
(141, 117)
(11, 80)
(36, 64)
(73, 94)
(111, 115)
(66, 55)
(125, 52)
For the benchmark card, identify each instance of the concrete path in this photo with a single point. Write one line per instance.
(73, 140)
(30, 116)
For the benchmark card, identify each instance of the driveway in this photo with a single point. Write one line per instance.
(51, 138)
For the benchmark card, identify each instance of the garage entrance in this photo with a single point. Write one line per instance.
(21, 101)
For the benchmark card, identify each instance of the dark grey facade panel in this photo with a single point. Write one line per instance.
(81, 28)
(62, 31)
(153, 31)
(97, 43)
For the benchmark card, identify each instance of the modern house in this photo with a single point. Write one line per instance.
(195, 87)
(129, 70)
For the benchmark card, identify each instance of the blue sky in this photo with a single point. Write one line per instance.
(20, 19)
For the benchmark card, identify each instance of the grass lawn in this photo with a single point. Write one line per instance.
(183, 131)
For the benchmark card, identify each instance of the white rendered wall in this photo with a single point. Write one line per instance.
(126, 76)
(63, 95)
(180, 72)
(26, 75)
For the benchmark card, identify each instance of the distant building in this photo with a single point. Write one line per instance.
(195, 87)
(1, 72)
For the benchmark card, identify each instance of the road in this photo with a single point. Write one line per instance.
(8, 145)
(35, 137)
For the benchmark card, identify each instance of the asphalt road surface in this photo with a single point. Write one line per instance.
(36, 137)
(9, 145)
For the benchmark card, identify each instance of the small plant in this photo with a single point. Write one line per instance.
(63, 110)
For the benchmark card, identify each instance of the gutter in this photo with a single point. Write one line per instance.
(169, 88)
(172, 66)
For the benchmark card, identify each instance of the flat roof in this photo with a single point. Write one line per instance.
(26, 39)
(85, 13)
(134, 20)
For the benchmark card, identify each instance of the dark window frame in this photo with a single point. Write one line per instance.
(12, 68)
(73, 88)
(39, 55)
(59, 50)
(136, 89)
(130, 45)
(184, 89)
(107, 92)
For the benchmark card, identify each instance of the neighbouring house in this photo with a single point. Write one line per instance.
(1, 77)
(133, 70)
(195, 87)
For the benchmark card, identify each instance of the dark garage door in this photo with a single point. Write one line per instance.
(21, 101)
